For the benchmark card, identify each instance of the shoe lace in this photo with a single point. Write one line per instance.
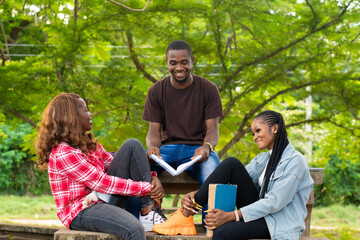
(158, 212)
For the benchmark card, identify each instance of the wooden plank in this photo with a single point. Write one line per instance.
(184, 183)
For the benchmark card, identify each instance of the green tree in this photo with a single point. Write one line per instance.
(262, 55)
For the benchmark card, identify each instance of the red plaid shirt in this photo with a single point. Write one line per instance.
(73, 175)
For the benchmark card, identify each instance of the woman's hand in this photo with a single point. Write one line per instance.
(157, 191)
(216, 218)
(188, 203)
(91, 197)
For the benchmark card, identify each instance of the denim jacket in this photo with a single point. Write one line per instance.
(284, 203)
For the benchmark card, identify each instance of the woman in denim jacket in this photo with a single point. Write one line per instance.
(272, 190)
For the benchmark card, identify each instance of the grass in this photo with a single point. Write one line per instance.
(336, 222)
(336, 215)
(15, 207)
(333, 222)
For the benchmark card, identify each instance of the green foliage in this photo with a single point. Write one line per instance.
(341, 178)
(261, 54)
(18, 173)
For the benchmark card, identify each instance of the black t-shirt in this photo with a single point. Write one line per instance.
(182, 113)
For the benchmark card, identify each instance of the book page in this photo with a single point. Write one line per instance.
(211, 204)
(179, 169)
(164, 164)
(184, 166)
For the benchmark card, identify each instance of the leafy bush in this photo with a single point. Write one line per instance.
(18, 173)
(341, 182)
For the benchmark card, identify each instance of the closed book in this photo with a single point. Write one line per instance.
(221, 196)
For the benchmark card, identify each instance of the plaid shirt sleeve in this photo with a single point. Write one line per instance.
(105, 156)
(72, 164)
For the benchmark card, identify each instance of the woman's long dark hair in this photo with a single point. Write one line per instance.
(281, 141)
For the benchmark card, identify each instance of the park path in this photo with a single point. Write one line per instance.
(40, 222)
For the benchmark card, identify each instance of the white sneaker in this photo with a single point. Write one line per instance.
(155, 216)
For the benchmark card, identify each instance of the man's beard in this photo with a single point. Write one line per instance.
(181, 81)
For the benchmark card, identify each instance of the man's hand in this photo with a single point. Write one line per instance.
(153, 150)
(204, 151)
(157, 191)
(216, 218)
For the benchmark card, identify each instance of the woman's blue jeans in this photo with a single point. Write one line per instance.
(130, 162)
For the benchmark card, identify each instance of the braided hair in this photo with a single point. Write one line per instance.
(281, 141)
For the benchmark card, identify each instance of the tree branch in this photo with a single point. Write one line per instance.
(353, 40)
(315, 17)
(2, 2)
(348, 105)
(134, 58)
(240, 131)
(16, 30)
(59, 77)
(6, 44)
(218, 43)
(131, 9)
(228, 43)
(2, 57)
(23, 117)
(261, 81)
(347, 129)
(252, 34)
(307, 121)
(76, 9)
(234, 32)
(263, 58)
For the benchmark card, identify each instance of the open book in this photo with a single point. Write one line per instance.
(179, 169)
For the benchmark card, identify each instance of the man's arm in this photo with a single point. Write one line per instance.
(212, 132)
(212, 137)
(153, 139)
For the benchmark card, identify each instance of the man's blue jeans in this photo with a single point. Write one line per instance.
(176, 154)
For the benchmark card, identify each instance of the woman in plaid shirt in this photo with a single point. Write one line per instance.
(77, 165)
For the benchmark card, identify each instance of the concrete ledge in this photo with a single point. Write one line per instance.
(65, 234)
(16, 231)
(26, 232)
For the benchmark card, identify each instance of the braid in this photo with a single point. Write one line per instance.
(281, 141)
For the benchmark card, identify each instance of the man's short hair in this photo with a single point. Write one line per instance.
(179, 45)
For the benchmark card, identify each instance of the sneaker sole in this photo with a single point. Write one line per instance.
(176, 231)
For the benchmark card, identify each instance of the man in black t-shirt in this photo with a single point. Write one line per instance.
(183, 111)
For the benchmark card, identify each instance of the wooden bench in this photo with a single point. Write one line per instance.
(180, 185)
